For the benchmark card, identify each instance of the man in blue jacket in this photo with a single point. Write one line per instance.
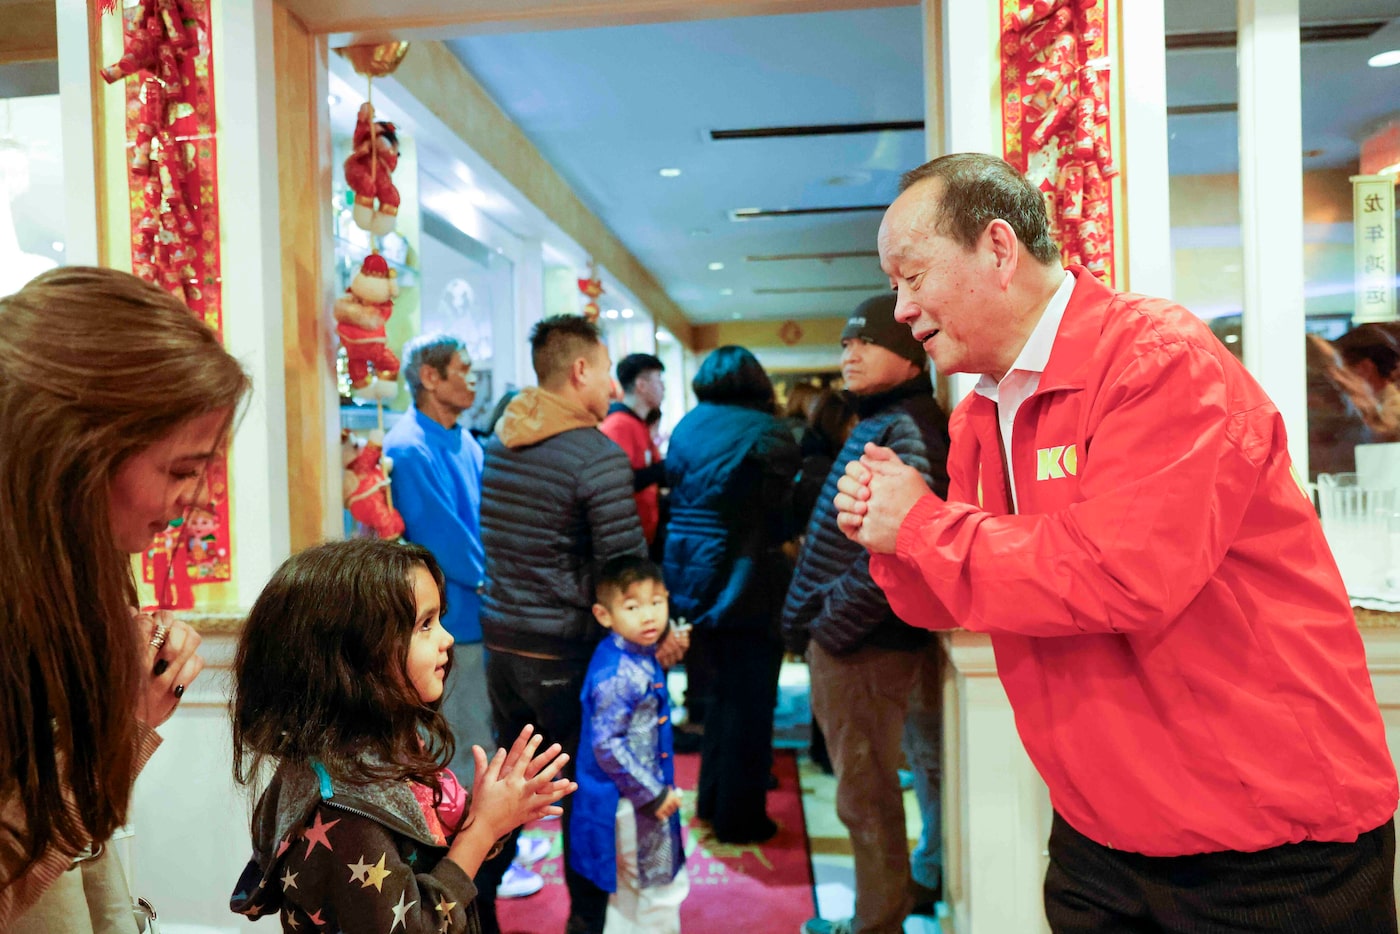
(437, 490)
(874, 678)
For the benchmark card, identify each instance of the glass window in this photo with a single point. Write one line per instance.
(1351, 131)
(31, 175)
(1203, 162)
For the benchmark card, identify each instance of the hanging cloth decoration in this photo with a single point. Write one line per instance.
(1055, 119)
(172, 173)
(591, 287)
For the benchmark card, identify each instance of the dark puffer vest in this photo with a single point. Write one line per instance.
(832, 598)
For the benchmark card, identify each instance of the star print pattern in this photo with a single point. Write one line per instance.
(318, 833)
(316, 889)
(400, 910)
(375, 876)
(358, 871)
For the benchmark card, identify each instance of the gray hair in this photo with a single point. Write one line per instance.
(978, 189)
(434, 350)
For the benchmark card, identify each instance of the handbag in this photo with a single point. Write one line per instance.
(90, 898)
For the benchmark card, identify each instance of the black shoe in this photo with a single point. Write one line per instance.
(925, 899)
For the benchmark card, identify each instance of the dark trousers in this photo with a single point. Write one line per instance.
(1297, 888)
(544, 692)
(861, 700)
(736, 754)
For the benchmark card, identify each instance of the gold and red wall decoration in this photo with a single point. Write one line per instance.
(1055, 82)
(172, 171)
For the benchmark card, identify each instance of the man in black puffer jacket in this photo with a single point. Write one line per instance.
(556, 502)
(867, 667)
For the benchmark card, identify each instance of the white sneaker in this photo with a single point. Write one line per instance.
(519, 882)
(530, 850)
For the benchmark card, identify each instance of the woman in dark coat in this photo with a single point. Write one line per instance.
(730, 468)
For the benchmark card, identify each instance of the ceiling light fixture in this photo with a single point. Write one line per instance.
(611, 313)
(726, 291)
(1384, 59)
(736, 316)
(669, 173)
(627, 312)
(333, 99)
(716, 267)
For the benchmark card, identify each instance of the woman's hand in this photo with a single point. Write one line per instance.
(169, 667)
(519, 785)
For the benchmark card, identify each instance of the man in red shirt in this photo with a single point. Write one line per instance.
(639, 375)
(1123, 518)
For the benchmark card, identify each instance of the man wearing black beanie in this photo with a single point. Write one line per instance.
(868, 668)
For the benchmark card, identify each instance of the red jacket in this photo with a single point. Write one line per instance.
(631, 434)
(1168, 622)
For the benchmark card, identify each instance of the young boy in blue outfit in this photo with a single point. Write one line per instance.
(625, 830)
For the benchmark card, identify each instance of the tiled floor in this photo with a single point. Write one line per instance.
(832, 869)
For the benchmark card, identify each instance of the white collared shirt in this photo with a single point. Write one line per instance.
(1022, 380)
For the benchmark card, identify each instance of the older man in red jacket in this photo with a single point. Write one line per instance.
(1169, 625)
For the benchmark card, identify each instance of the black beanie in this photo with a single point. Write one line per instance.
(873, 322)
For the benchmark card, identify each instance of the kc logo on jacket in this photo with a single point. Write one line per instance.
(1056, 463)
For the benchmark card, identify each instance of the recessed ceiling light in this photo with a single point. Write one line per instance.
(333, 99)
(611, 313)
(669, 173)
(716, 267)
(627, 312)
(726, 291)
(58, 246)
(1384, 59)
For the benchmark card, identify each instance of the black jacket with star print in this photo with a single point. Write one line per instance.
(334, 857)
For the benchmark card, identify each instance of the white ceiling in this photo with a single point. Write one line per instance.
(1342, 97)
(609, 107)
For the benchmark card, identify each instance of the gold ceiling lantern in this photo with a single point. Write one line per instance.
(375, 61)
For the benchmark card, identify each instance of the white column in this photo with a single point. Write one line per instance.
(962, 93)
(1383, 661)
(1147, 216)
(1271, 210)
(76, 108)
(996, 808)
(251, 245)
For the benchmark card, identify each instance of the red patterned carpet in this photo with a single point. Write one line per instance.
(760, 888)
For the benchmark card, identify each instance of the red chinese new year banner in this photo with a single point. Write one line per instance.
(172, 173)
(1055, 119)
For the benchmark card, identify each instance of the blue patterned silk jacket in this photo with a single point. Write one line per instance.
(624, 750)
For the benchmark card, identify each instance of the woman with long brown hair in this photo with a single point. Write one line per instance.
(113, 400)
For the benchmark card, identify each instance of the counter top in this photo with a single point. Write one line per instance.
(1376, 619)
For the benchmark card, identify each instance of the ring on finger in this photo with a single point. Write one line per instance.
(158, 637)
